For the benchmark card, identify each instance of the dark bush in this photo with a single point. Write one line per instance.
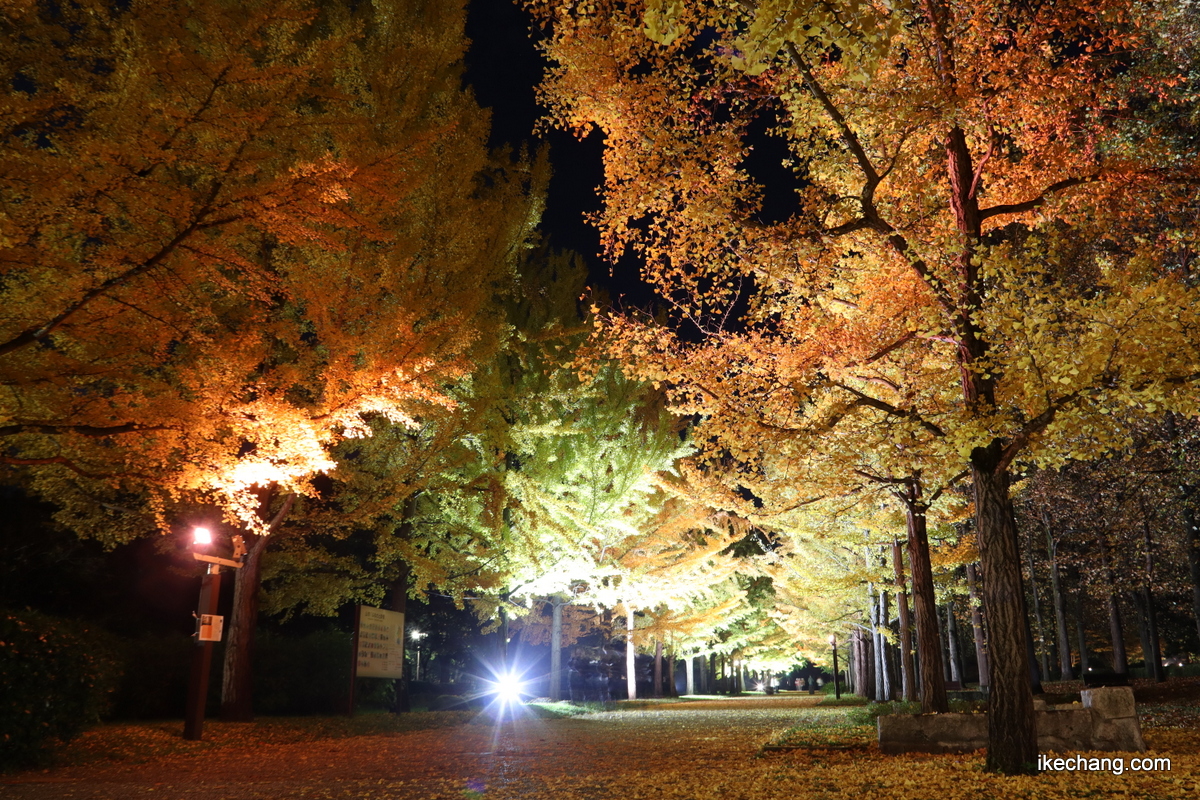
(304, 675)
(155, 677)
(56, 678)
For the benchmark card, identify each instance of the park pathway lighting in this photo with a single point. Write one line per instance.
(208, 626)
(837, 687)
(417, 636)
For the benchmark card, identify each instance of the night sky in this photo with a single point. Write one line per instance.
(503, 68)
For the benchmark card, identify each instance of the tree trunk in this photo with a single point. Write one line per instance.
(1065, 667)
(1154, 656)
(556, 610)
(952, 641)
(1193, 541)
(670, 688)
(908, 678)
(933, 684)
(1012, 731)
(1081, 628)
(689, 672)
(1120, 662)
(630, 655)
(981, 659)
(237, 673)
(1040, 641)
(885, 659)
(401, 703)
(658, 669)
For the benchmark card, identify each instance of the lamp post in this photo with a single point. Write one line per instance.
(837, 687)
(416, 636)
(208, 627)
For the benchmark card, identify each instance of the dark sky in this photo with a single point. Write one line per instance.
(503, 68)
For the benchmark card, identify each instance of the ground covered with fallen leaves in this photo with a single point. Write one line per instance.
(727, 749)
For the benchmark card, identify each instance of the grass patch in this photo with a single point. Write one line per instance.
(846, 700)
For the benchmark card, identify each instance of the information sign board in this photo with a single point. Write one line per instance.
(380, 643)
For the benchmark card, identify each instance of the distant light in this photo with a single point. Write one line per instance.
(832, 639)
(760, 687)
(201, 536)
(415, 634)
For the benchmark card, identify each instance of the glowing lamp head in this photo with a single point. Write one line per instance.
(201, 537)
(832, 639)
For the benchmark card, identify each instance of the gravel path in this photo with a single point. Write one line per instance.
(525, 758)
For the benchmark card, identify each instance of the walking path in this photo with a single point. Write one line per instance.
(473, 760)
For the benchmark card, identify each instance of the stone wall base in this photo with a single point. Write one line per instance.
(1107, 720)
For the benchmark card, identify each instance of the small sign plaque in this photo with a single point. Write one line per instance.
(210, 627)
(380, 643)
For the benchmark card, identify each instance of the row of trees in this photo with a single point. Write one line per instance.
(977, 251)
(261, 268)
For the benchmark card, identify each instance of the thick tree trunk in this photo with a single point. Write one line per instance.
(1012, 732)
(658, 669)
(908, 678)
(630, 655)
(689, 675)
(981, 659)
(556, 676)
(237, 684)
(933, 684)
(1065, 667)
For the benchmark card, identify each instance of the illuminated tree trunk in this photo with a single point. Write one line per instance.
(956, 674)
(1012, 735)
(670, 687)
(658, 669)
(981, 659)
(933, 683)
(237, 672)
(689, 667)
(907, 668)
(556, 610)
(630, 656)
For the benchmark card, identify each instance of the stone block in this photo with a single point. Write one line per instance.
(1110, 702)
(1060, 731)
(1123, 734)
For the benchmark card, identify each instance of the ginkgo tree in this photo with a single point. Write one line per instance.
(994, 183)
(232, 236)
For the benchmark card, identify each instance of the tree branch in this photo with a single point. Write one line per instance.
(80, 430)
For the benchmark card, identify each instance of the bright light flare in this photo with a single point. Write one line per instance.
(201, 537)
(508, 688)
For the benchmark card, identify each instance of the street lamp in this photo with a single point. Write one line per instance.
(837, 687)
(208, 626)
(416, 636)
